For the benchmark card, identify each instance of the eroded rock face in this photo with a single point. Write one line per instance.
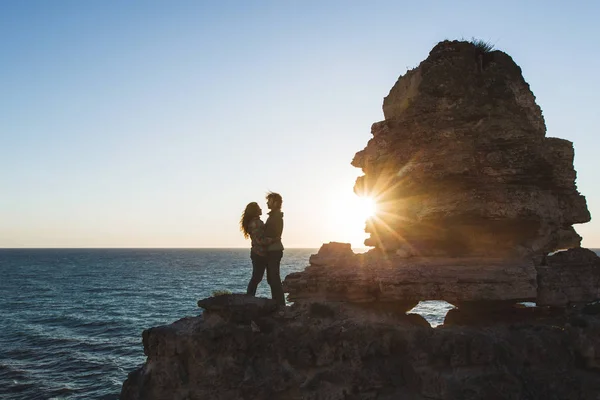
(568, 277)
(461, 165)
(337, 274)
(336, 351)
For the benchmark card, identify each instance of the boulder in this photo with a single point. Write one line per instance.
(236, 307)
(569, 277)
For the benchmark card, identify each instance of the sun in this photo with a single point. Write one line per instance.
(366, 207)
(347, 216)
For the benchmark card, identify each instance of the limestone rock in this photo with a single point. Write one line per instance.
(571, 276)
(482, 314)
(461, 165)
(346, 354)
(236, 307)
(333, 253)
(380, 277)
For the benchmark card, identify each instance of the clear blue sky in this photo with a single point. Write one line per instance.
(153, 123)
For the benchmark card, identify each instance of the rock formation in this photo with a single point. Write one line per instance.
(472, 197)
(381, 278)
(569, 277)
(335, 273)
(337, 351)
(461, 165)
(472, 200)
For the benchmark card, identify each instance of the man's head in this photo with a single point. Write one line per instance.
(274, 201)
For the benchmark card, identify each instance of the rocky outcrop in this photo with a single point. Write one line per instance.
(472, 198)
(337, 351)
(569, 277)
(235, 308)
(461, 165)
(337, 274)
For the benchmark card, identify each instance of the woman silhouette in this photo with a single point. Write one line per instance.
(252, 227)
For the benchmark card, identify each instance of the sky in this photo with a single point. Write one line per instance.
(153, 123)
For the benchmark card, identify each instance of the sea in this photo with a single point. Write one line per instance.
(71, 320)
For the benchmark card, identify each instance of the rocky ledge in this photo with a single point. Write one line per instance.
(245, 348)
(378, 278)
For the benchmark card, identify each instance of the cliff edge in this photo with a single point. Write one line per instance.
(243, 349)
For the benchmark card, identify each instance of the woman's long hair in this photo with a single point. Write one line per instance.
(252, 211)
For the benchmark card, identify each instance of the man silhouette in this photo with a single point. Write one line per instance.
(274, 229)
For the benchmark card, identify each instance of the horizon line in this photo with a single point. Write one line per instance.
(190, 248)
(154, 248)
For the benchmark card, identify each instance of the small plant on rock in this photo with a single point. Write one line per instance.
(482, 45)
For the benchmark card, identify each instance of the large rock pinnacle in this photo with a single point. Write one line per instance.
(461, 165)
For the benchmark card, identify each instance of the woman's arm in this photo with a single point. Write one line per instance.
(257, 233)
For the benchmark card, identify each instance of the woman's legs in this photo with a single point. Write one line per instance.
(273, 276)
(259, 263)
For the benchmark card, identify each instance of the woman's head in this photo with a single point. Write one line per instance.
(252, 211)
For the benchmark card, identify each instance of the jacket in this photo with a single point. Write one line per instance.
(274, 229)
(256, 229)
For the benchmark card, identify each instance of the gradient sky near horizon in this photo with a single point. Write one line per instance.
(153, 123)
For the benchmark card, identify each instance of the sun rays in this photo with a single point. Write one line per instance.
(383, 210)
(366, 207)
(388, 191)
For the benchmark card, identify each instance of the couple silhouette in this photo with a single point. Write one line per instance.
(266, 249)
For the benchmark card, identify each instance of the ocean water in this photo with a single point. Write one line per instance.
(71, 320)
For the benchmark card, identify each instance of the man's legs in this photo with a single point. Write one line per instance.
(259, 263)
(273, 276)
